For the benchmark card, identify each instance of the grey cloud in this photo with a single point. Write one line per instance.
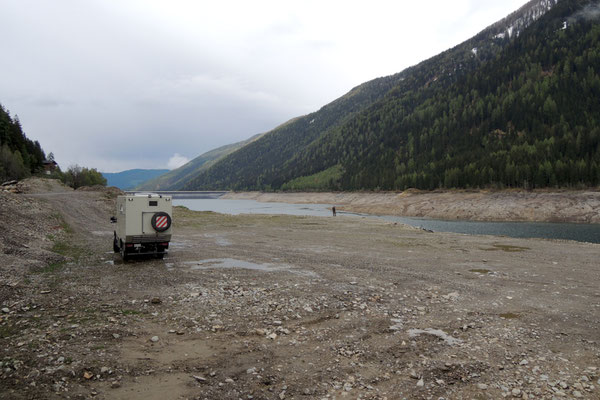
(51, 102)
(111, 85)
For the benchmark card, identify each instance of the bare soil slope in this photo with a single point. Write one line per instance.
(283, 307)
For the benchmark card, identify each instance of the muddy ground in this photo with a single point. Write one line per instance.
(284, 307)
(577, 206)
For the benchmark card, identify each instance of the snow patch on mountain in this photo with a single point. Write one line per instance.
(517, 22)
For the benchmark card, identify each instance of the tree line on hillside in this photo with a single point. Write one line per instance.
(528, 119)
(21, 157)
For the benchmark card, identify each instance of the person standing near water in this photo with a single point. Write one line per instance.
(333, 210)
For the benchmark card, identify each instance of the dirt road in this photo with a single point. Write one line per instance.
(283, 307)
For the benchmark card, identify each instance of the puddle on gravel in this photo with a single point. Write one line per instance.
(235, 263)
(220, 240)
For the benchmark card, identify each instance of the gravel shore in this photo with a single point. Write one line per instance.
(285, 307)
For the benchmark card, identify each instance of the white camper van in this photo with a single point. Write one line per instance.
(143, 225)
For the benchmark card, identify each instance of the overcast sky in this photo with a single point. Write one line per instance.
(116, 85)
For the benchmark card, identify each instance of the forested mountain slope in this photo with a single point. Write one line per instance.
(529, 118)
(514, 106)
(175, 179)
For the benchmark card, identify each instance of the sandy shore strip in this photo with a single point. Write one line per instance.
(509, 205)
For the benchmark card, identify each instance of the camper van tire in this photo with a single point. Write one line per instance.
(124, 254)
(116, 247)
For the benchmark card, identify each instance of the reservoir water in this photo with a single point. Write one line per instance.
(546, 230)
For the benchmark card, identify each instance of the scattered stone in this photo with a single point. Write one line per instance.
(116, 335)
(563, 385)
(88, 375)
(6, 310)
(115, 384)
(154, 339)
(451, 296)
(482, 386)
(397, 324)
(200, 379)
(421, 383)
(156, 300)
(516, 392)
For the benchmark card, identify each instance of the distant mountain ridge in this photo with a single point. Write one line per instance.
(175, 179)
(128, 180)
(512, 106)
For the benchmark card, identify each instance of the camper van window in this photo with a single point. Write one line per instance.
(153, 203)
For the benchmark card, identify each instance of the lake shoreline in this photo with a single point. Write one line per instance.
(490, 206)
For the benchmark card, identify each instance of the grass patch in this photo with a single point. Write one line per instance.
(62, 245)
(131, 312)
(510, 315)
(54, 267)
(63, 224)
(324, 180)
(507, 248)
(480, 271)
(7, 331)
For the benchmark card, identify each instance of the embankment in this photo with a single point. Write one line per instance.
(508, 205)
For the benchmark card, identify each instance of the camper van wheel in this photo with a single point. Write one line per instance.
(160, 255)
(124, 254)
